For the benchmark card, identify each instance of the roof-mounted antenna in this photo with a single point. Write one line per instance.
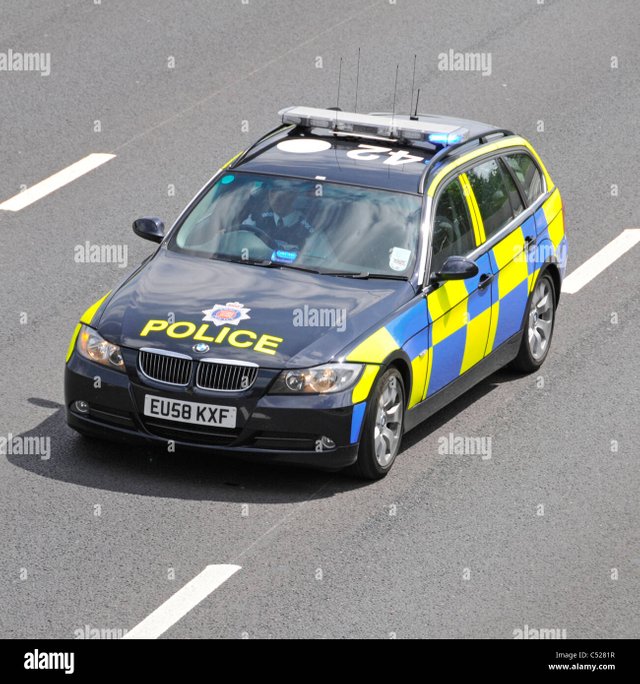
(415, 114)
(355, 108)
(395, 89)
(413, 82)
(338, 96)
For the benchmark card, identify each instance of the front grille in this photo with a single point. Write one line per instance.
(225, 377)
(174, 370)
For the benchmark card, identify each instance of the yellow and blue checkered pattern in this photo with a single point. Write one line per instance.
(460, 323)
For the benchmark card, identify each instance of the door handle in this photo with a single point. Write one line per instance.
(484, 281)
(529, 243)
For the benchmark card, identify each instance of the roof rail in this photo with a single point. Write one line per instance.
(261, 139)
(446, 151)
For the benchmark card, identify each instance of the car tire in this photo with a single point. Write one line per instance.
(538, 328)
(382, 437)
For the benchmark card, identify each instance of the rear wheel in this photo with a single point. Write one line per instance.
(538, 330)
(382, 432)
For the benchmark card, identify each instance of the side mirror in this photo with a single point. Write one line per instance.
(456, 268)
(149, 229)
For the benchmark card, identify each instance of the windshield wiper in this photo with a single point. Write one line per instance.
(365, 275)
(387, 276)
(324, 271)
(279, 264)
(342, 274)
(234, 260)
(267, 263)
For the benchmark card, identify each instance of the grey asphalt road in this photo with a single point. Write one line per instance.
(545, 533)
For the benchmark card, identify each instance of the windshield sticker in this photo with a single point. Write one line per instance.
(242, 339)
(229, 178)
(230, 313)
(399, 258)
(284, 256)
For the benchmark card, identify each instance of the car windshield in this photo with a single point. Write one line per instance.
(307, 224)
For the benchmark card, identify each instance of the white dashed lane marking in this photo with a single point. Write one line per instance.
(176, 607)
(592, 267)
(58, 180)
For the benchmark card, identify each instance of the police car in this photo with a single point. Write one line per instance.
(329, 289)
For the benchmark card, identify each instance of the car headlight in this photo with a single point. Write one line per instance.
(94, 347)
(331, 377)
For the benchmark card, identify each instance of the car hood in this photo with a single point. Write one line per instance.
(288, 318)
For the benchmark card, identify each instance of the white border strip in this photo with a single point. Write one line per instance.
(176, 607)
(58, 180)
(592, 267)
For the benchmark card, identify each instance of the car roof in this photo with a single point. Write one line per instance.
(321, 154)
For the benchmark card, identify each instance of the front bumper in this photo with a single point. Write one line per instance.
(275, 428)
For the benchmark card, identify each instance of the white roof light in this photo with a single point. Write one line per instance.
(366, 124)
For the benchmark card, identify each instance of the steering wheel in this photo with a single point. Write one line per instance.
(258, 232)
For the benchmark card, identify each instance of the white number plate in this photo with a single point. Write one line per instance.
(190, 412)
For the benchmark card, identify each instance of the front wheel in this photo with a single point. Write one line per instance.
(383, 427)
(538, 330)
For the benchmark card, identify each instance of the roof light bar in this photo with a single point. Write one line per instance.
(445, 138)
(381, 126)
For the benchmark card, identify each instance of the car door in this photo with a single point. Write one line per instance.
(459, 311)
(499, 203)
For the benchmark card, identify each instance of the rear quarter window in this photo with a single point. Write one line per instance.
(496, 193)
(528, 173)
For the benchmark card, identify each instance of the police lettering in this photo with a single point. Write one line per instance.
(243, 339)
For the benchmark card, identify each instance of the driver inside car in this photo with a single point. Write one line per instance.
(280, 220)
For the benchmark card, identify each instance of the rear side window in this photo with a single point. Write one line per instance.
(452, 228)
(497, 195)
(528, 174)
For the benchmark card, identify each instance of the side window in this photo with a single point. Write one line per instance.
(514, 194)
(452, 227)
(496, 193)
(528, 174)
